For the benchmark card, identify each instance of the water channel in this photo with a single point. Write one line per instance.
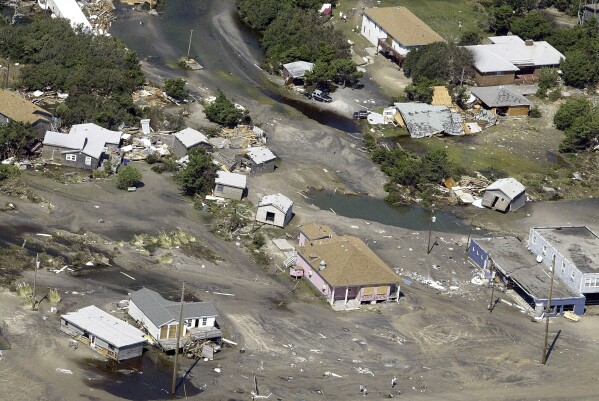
(364, 207)
(229, 51)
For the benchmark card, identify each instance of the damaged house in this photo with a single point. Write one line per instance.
(276, 210)
(259, 159)
(230, 185)
(505, 195)
(160, 318)
(109, 336)
(187, 139)
(502, 100)
(84, 147)
(423, 120)
(14, 107)
(293, 73)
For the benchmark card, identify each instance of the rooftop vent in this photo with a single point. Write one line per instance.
(323, 265)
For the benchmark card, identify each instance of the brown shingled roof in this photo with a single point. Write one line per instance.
(20, 109)
(349, 262)
(314, 231)
(403, 26)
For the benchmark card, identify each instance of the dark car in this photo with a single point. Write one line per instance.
(321, 96)
(361, 115)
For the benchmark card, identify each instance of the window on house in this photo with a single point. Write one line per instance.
(544, 249)
(534, 239)
(71, 158)
(563, 267)
(572, 275)
(88, 161)
(588, 282)
(204, 321)
(220, 187)
(499, 73)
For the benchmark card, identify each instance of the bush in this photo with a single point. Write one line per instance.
(128, 176)
(222, 111)
(258, 241)
(8, 171)
(175, 87)
(534, 112)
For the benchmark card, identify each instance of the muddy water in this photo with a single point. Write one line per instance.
(231, 60)
(363, 207)
(145, 378)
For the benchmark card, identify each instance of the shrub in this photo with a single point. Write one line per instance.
(175, 87)
(128, 176)
(8, 171)
(569, 111)
(534, 112)
(222, 111)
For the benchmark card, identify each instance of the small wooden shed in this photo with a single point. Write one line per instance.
(505, 195)
(230, 185)
(275, 210)
(188, 139)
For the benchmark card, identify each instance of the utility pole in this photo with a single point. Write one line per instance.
(547, 311)
(492, 280)
(430, 230)
(189, 47)
(37, 265)
(179, 329)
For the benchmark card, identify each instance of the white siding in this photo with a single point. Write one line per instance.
(280, 219)
(138, 315)
(373, 32)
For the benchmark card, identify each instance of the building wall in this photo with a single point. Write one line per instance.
(191, 323)
(314, 278)
(139, 316)
(492, 79)
(267, 167)
(516, 111)
(373, 32)
(565, 269)
(478, 255)
(179, 149)
(562, 305)
(228, 192)
(518, 202)
(502, 204)
(280, 219)
(131, 351)
(56, 155)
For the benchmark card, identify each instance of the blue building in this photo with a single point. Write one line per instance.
(519, 270)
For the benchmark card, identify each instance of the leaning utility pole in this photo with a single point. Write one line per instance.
(37, 265)
(430, 231)
(492, 280)
(189, 47)
(547, 311)
(179, 329)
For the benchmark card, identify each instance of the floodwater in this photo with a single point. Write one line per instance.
(145, 378)
(230, 63)
(364, 207)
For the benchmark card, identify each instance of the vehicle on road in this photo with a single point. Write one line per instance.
(361, 115)
(320, 96)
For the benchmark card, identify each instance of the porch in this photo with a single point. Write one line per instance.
(388, 51)
(196, 333)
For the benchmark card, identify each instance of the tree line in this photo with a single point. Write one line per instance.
(97, 72)
(293, 30)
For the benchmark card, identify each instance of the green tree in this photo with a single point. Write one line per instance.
(470, 38)
(422, 90)
(199, 175)
(435, 166)
(534, 25)
(439, 61)
(569, 111)
(13, 138)
(175, 87)
(583, 132)
(128, 176)
(501, 19)
(580, 69)
(222, 111)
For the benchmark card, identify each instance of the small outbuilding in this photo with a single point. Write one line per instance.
(294, 72)
(275, 209)
(261, 160)
(160, 318)
(423, 120)
(502, 100)
(505, 195)
(187, 139)
(109, 336)
(230, 185)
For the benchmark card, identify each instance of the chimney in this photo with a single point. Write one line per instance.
(529, 42)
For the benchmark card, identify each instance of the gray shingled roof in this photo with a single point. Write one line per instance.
(298, 69)
(190, 137)
(161, 311)
(511, 187)
(425, 120)
(499, 96)
(90, 139)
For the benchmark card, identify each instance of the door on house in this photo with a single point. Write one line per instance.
(270, 216)
(495, 201)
